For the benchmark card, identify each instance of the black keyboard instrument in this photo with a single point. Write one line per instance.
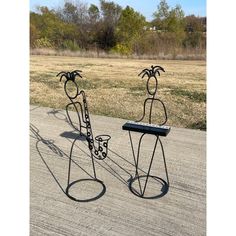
(146, 128)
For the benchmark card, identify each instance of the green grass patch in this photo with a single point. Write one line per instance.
(198, 125)
(49, 79)
(193, 95)
(137, 88)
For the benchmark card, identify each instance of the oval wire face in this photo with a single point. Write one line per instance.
(69, 89)
(149, 85)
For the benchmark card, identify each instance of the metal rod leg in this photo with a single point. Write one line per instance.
(149, 169)
(68, 180)
(93, 166)
(164, 159)
(136, 162)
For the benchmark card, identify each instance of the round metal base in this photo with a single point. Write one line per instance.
(86, 199)
(164, 189)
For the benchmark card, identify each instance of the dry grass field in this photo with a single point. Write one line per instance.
(114, 89)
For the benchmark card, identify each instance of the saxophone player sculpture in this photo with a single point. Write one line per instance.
(79, 103)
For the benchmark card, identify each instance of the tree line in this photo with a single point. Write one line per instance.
(109, 27)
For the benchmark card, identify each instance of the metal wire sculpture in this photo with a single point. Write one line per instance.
(149, 128)
(84, 127)
(151, 73)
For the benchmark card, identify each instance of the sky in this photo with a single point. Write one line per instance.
(145, 7)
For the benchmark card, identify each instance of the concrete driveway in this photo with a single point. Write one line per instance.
(182, 211)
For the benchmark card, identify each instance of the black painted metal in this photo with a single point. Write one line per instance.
(79, 103)
(145, 129)
(151, 74)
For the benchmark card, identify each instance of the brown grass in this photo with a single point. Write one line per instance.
(180, 54)
(114, 89)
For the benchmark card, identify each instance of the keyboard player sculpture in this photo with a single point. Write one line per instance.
(149, 129)
(84, 130)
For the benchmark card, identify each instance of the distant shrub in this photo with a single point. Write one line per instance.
(43, 43)
(34, 34)
(70, 45)
(194, 39)
(122, 49)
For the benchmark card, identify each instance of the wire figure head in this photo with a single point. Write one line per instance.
(70, 75)
(151, 72)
